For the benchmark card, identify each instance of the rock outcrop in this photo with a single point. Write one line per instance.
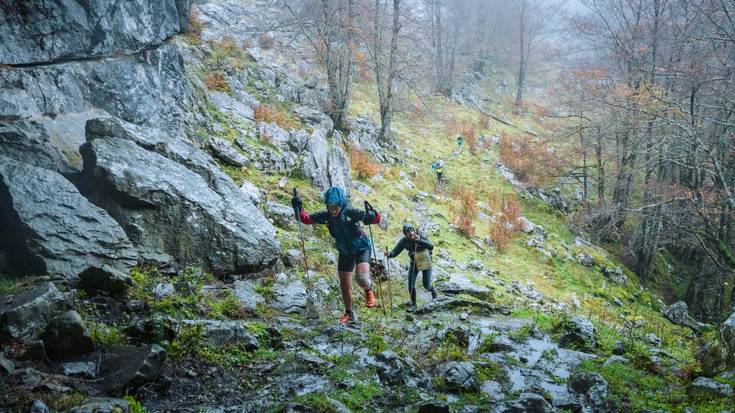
(49, 221)
(61, 30)
(174, 201)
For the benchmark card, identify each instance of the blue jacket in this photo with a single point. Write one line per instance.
(346, 227)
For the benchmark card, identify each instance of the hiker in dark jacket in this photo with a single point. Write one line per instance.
(352, 243)
(419, 251)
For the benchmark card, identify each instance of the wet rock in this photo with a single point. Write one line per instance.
(246, 293)
(282, 215)
(66, 336)
(129, 367)
(591, 389)
(26, 314)
(40, 32)
(615, 274)
(444, 303)
(136, 306)
(312, 360)
(219, 333)
(225, 152)
(678, 313)
(615, 359)
(364, 136)
(292, 258)
(653, 339)
(493, 390)
(59, 231)
(107, 279)
(527, 291)
(273, 134)
(337, 406)
(528, 403)
(434, 407)
(85, 369)
(326, 166)
(38, 407)
(102, 405)
(163, 290)
(461, 284)
(706, 387)
(291, 298)
(175, 182)
(251, 192)
(151, 330)
(459, 376)
(393, 370)
(579, 334)
(727, 332)
(314, 117)
(502, 344)
(6, 366)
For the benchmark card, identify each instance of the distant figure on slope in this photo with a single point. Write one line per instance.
(419, 251)
(352, 243)
(438, 168)
(460, 142)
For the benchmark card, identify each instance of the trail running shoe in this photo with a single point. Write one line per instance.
(370, 300)
(347, 318)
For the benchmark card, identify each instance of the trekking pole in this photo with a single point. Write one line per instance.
(303, 246)
(380, 282)
(390, 289)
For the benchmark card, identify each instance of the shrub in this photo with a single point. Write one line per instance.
(463, 214)
(529, 159)
(507, 223)
(217, 81)
(470, 137)
(270, 114)
(361, 164)
(195, 28)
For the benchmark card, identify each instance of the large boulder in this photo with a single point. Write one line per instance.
(173, 200)
(29, 141)
(528, 403)
(59, 228)
(326, 166)
(63, 30)
(66, 336)
(364, 136)
(703, 387)
(128, 367)
(26, 314)
(105, 279)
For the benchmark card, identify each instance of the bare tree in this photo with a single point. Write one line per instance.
(329, 26)
(385, 65)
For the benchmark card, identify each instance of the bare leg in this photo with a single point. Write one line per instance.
(363, 276)
(345, 286)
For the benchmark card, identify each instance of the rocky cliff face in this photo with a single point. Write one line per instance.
(138, 195)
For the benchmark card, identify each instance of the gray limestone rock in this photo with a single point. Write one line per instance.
(219, 333)
(62, 30)
(66, 336)
(63, 231)
(246, 293)
(227, 153)
(130, 367)
(174, 185)
(26, 314)
(459, 376)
